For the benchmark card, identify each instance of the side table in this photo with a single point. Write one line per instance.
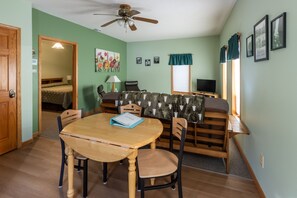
(108, 108)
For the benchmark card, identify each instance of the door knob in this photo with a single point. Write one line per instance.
(11, 93)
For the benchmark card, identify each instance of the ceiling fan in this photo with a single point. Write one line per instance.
(127, 17)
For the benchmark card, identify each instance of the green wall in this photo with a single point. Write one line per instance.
(17, 13)
(87, 40)
(269, 95)
(157, 77)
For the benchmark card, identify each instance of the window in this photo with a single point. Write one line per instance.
(180, 78)
(224, 83)
(236, 87)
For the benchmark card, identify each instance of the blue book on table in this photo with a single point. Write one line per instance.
(126, 120)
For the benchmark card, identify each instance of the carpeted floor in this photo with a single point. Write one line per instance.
(49, 125)
(237, 165)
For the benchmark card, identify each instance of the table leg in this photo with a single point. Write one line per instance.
(132, 174)
(70, 191)
(153, 146)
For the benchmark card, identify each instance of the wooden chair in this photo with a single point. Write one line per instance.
(64, 119)
(157, 163)
(131, 108)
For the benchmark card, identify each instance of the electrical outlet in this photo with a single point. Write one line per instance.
(262, 160)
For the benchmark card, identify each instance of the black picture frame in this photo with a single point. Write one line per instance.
(138, 60)
(156, 59)
(278, 32)
(250, 45)
(261, 42)
(147, 62)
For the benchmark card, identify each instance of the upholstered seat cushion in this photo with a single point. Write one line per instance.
(216, 105)
(156, 163)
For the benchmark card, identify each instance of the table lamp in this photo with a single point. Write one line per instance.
(69, 78)
(113, 79)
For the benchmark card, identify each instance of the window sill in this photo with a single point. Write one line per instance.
(236, 126)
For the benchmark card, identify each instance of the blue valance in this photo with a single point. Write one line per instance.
(223, 54)
(233, 47)
(180, 59)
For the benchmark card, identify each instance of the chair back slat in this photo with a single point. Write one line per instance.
(179, 129)
(131, 108)
(177, 125)
(68, 117)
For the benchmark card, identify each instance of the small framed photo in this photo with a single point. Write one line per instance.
(278, 32)
(261, 43)
(249, 46)
(147, 62)
(156, 60)
(138, 60)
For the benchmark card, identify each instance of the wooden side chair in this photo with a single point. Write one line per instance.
(63, 120)
(131, 108)
(158, 163)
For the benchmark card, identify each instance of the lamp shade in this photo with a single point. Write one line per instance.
(69, 77)
(113, 79)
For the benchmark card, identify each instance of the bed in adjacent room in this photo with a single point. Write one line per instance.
(56, 93)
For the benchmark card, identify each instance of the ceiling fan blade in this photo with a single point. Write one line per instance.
(133, 27)
(106, 14)
(133, 12)
(145, 20)
(108, 23)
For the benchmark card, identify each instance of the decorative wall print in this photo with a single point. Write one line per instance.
(249, 46)
(156, 60)
(147, 62)
(278, 32)
(261, 40)
(138, 60)
(107, 61)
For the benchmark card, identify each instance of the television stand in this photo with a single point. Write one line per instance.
(207, 94)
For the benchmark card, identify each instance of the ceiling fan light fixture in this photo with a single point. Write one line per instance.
(58, 46)
(130, 22)
(126, 24)
(121, 22)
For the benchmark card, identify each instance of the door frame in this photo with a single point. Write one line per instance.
(74, 74)
(18, 84)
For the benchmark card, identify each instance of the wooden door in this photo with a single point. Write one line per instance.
(8, 68)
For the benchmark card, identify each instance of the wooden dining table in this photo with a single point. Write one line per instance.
(94, 138)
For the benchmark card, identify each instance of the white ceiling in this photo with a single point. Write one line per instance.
(177, 18)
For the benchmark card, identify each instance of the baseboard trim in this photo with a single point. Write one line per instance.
(27, 142)
(258, 186)
(35, 134)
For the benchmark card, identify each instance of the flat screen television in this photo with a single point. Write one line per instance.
(206, 85)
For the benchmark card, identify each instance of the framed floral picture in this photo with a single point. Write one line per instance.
(107, 61)
(261, 43)
(278, 32)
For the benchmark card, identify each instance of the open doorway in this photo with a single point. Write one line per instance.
(57, 77)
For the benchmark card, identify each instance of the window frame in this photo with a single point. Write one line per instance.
(236, 99)
(224, 81)
(189, 82)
